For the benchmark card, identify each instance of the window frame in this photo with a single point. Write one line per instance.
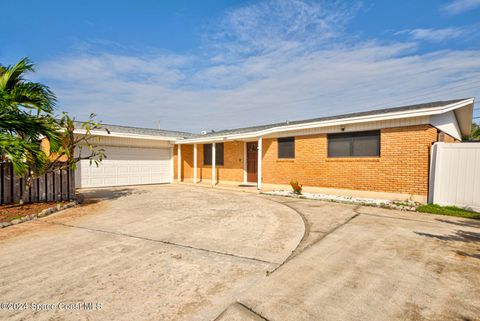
(351, 136)
(219, 157)
(286, 140)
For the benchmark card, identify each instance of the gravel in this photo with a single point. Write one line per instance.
(407, 206)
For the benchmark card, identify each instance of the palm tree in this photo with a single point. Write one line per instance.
(26, 116)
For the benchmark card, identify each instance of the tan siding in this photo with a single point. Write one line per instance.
(128, 142)
(413, 121)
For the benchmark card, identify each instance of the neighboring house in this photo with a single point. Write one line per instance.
(383, 153)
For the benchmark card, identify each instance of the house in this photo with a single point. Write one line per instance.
(382, 153)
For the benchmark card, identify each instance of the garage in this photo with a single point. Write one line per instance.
(134, 156)
(127, 166)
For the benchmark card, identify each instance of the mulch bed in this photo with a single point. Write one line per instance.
(15, 211)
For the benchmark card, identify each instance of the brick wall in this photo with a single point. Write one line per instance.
(402, 167)
(232, 170)
(444, 137)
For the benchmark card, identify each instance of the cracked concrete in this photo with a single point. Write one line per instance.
(381, 265)
(185, 253)
(146, 253)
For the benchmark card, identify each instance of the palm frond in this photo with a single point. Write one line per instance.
(12, 75)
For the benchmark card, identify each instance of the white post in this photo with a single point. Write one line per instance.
(259, 165)
(172, 166)
(244, 162)
(179, 163)
(194, 163)
(213, 164)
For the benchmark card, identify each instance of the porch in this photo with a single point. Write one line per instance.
(224, 164)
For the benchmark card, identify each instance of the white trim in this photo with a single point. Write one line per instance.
(125, 135)
(179, 163)
(447, 123)
(194, 163)
(334, 122)
(281, 128)
(172, 165)
(213, 164)
(245, 162)
(259, 164)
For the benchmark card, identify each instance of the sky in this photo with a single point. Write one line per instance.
(203, 65)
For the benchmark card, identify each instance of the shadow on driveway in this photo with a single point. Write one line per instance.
(91, 196)
(458, 236)
(470, 223)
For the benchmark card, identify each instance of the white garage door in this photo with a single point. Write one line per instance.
(126, 166)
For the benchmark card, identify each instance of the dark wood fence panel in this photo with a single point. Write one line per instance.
(58, 185)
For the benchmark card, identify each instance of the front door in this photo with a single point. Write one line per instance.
(252, 159)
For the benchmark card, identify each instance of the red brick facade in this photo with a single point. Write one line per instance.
(403, 165)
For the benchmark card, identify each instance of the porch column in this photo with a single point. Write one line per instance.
(172, 165)
(194, 163)
(259, 164)
(213, 164)
(244, 162)
(179, 163)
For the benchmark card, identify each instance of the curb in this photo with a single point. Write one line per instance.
(43, 213)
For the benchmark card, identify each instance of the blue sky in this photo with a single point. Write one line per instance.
(195, 65)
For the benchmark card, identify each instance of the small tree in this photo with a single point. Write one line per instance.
(65, 156)
(475, 132)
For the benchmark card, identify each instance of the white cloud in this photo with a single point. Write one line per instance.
(252, 71)
(459, 6)
(435, 35)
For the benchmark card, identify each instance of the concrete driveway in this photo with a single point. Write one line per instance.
(147, 253)
(183, 253)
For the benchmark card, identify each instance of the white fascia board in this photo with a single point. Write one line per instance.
(447, 123)
(124, 135)
(333, 122)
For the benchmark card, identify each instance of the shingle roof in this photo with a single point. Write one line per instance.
(143, 131)
(434, 104)
(186, 135)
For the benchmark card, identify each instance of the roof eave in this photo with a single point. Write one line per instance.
(333, 122)
(125, 135)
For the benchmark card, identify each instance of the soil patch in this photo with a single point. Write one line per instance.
(15, 211)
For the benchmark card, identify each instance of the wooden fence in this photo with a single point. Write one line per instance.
(58, 185)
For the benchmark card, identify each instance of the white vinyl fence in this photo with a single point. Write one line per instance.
(455, 175)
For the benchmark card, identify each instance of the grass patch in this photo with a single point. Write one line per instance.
(448, 210)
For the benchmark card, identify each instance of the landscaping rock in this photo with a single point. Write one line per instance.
(43, 213)
(4, 224)
(404, 206)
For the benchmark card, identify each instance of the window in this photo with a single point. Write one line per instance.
(286, 147)
(207, 154)
(359, 144)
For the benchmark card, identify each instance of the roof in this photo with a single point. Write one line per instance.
(142, 131)
(429, 108)
(434, 104)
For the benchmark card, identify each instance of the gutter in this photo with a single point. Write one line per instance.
(333, 122)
